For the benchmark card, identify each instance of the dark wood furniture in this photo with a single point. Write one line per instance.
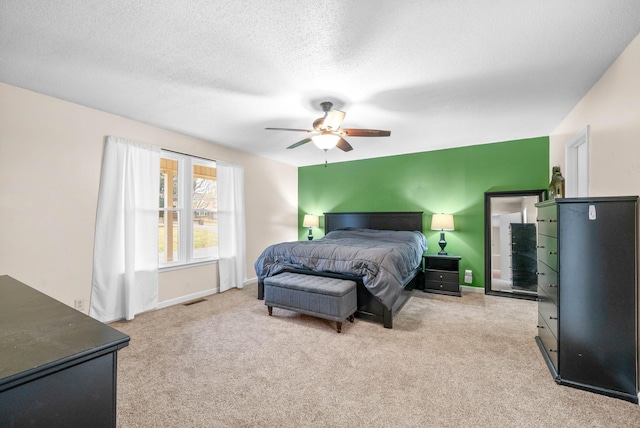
(587, 310)
(369, 307)
(523, 256)
(57, 365)
(442, 274)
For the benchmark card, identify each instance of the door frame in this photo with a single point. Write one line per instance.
(577, 165)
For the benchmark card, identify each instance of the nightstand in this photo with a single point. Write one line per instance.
(442, 274)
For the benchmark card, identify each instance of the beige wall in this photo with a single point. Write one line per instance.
(612, 110)
(50, 159)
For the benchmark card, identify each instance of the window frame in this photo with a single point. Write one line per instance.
(185, 241)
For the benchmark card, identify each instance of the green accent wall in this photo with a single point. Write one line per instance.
(449, 181)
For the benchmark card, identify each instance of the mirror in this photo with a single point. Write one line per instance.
(510, 243)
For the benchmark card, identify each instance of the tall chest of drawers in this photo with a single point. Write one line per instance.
(587, 293)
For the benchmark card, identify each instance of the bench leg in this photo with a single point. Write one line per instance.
(339, 326)
(270, 309)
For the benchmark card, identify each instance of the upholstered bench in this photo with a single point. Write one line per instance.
(329, 298)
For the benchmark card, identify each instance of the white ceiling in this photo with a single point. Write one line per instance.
(438, 74)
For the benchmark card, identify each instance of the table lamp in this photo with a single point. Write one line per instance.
(442, 222)
(310, 221)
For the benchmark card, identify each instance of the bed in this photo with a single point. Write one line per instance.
(362, 247)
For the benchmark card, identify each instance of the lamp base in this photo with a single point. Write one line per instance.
(442, 244)
(310, 237)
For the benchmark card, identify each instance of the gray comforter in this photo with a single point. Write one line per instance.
(384, 258)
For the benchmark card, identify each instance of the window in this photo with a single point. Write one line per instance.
(188, 223)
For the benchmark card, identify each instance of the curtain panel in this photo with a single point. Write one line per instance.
(231, 226)
(125, 258)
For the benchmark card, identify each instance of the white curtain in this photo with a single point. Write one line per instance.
(125, 257)
(231, 226)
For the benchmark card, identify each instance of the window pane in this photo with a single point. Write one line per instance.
(204, 188)
(205, 235)
(168, 183)
(205, 222)
(168, 234)
(163, 179)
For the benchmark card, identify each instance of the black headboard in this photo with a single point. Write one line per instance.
(409, 220)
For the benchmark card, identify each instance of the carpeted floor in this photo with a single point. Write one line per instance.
(448, 362)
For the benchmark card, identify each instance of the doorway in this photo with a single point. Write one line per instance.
(577, 165)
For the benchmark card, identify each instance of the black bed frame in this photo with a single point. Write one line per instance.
(369, 307)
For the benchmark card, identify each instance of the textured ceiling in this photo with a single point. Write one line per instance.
(438, 74)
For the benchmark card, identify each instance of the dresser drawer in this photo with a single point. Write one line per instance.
(547, 220)
(442, 276)
(549, 341)
(548, 310)
(443, 286)
(548, 281)
(548, 251)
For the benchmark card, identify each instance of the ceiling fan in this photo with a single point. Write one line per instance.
(328, 133)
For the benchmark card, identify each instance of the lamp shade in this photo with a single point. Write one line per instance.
(442, 222)
(311, 220)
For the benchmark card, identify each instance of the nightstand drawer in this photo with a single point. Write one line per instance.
(442, 276)
(442, 286)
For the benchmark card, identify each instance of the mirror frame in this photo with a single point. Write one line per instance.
(540, 193)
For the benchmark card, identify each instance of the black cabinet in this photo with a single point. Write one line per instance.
(442, 274)
(587, 294)
(523, 256)
(57, 365)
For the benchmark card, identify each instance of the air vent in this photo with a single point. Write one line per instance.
(193, 302)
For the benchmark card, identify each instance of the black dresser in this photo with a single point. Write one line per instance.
(523, 256)
(587, 293)
(57, 365)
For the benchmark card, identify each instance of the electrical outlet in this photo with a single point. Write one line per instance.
(79, 304)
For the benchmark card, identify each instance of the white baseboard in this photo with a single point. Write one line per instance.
(468, 288)
(251, 281)
(194, 296)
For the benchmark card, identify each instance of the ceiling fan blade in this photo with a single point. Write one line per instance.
(299, 143)
(364, 132)
(343, 145)
(333, 120)
(289, 129)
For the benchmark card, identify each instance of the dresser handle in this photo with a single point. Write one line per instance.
(539, 273)
(553, 252)
(553, 221)
(553, 350)
(553, 318)
(540, 220)
(539, 326)
(539, 246)
(552, 285)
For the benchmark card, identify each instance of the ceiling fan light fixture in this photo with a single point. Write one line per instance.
(325, 141)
